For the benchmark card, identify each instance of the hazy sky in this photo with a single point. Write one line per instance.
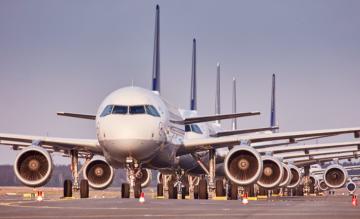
(68, 55)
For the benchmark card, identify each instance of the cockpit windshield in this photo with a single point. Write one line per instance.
(193, 128)
(132, 110)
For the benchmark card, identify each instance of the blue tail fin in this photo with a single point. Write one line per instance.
(156, 55)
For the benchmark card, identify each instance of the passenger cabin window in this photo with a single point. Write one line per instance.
(137, 110)
(107, 111)
(120, 110)
(151, 110)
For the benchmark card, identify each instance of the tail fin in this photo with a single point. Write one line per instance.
(273, 109)
(193, 99)
(234, 123)
(217, 100)
(156, 55)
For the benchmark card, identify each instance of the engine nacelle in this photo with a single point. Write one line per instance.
(243, 165)
(295, 176)
(99, 174)
(351, 187)
(144, 176)
(285, 181)
(335, 176)
(272, 174)
(314, 181)
(322, 185)
(33, 166)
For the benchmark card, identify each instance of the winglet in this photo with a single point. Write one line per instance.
(156, 55)
(193, 99)
(273, 109)
(217, 95)
(234, 122)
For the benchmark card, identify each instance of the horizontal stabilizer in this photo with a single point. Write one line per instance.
(200, 119)
(244, 131)
(76, 115)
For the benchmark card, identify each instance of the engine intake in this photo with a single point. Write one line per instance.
(351, 187)
(33, 166)
(144, 176)
(272, 173)
(243, 165)
(285, 181)
(335, 176)
(295, 176)
(99, 174)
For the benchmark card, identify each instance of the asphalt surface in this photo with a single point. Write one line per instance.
(13, 206)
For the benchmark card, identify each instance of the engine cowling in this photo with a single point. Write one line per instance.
(243, 165)
(144, 176)
(351, 187)
(295, 176)
(322, 185)
(272, 173)
(99, 174)
(33, 166)
(335, 176)
(286, 176)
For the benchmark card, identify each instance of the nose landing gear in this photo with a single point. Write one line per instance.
(133, 188)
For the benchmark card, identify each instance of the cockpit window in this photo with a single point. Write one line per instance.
(108, 109)
(187, 128)
(151, 110)
(196, 129)
(137, 110)
(120, 110)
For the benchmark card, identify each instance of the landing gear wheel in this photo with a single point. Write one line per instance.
(84, 189)
(67, 188)
(196, 192)
(160, 189)
(220, 191)
(183, 192)
(263, 192)
(137, 190)
(203, 189)
(125, 190)
(172, 191)
(233, 191)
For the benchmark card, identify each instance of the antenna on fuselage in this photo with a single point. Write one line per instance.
(217, 95)
(193, 99)
(273, 109)
(234, 122)
(156, 55)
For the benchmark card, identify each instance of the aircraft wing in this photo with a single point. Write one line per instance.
(244, 131)
(55, 144)
(77, 115)
(199, 119)
(201, 144)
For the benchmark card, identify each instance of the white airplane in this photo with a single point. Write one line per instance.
(137, 129)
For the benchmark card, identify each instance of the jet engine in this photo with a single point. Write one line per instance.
(33, 166)
(243, 165)
(286, 176)
(351, 187)
(295, 176)
(335, 176)
(144, 176)
(272, 174)
(99, 174)
(322, 185)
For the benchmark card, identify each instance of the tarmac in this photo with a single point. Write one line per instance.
(109, 205)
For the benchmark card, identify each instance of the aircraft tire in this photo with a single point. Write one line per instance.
(233, 191)
(125, 190)
(137, 190)
(160, 189)
(220, 191)
(84, 189)
(67, 188)
(203, 189)
(196, 192)
(172, 191)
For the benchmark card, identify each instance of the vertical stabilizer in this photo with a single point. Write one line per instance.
(156, 55)
(273, 109)
(234, 122)
(217, 100)
(193, 99)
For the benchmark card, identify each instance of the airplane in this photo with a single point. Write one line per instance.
(139, 130)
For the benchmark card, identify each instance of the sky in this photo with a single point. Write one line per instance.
(69, 55)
